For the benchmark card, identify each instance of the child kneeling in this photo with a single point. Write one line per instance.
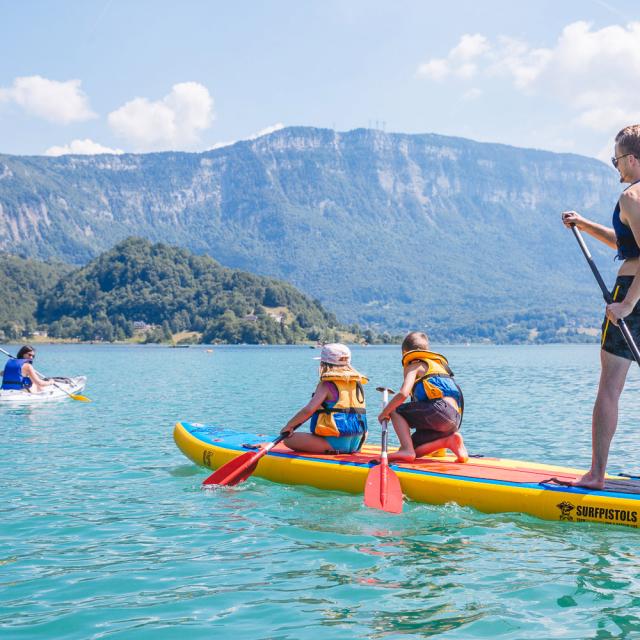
(436, 406)
(337, 408)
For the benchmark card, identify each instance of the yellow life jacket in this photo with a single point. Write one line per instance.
(347, 415)
(437, 382)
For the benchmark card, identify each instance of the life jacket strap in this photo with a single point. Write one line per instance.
(357, 411)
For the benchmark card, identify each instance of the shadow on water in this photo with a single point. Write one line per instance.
(185, 471)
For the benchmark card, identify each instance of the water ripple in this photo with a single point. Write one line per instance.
(105, 532)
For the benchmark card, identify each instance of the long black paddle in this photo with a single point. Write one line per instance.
(622, 325)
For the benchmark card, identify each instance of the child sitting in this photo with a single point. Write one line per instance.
(436, 406)
(336, 409)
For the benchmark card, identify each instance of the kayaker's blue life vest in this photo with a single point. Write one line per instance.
(346, 416)
(12, 377)
(627, 245)
(437, 382)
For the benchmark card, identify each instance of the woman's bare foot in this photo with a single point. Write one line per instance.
(589, 481)
(402, 455)
(456, 444)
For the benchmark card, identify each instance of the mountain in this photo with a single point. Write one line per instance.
(392, 230)
(138, 283)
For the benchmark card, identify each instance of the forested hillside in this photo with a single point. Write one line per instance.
(22, 284)
(139, 283)
(393, 231)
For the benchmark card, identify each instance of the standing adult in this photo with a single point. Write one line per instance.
(615, 355)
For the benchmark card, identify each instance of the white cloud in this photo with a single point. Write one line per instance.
(173, 122)
(460, 61)
(59, 102)
(470, 46)
(436, 69)
(267, 131)
(81, 147)
(593, 72)
(515, 59)
(253, 136)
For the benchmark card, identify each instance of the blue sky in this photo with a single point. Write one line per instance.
(155, 75)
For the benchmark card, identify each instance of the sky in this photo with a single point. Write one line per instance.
(140, 75)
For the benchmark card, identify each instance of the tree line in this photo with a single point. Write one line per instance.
(168, 290)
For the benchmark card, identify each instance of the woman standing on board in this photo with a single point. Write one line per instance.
(615, 356)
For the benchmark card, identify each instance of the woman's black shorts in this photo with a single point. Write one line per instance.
(431, 420)
(612, 339)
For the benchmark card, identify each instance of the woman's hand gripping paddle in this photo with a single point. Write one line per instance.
(74, 396)
(622, 325)
(240, 468)
(383, 490)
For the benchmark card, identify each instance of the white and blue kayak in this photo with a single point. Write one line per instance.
(61, 390)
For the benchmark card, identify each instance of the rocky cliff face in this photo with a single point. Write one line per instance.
(401, 230)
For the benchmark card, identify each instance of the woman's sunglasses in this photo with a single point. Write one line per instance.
(614, 161)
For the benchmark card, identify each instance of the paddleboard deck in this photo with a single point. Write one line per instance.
(491, 485)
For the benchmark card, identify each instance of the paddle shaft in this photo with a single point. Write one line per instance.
(241, 467)
(254, 459)
(382, 489)
(622, 325)
(6, 353)
(385, 426)
(384, 459)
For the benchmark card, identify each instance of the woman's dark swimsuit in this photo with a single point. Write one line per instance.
(612, 339)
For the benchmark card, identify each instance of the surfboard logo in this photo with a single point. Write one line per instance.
(206, 457)
(607, 514)
(565, 510)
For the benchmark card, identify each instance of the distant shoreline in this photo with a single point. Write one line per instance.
(64, 341)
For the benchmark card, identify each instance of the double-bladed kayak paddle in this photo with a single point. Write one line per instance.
(74, 396)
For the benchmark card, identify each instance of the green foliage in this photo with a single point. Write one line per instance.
(173, 290)
(22, 283)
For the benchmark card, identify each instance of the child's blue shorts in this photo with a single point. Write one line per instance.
(346, 444)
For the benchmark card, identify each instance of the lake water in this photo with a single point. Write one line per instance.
(105, 532)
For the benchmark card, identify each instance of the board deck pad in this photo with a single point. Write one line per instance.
(478, 467)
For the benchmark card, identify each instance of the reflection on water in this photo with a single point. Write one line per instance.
(105, 532)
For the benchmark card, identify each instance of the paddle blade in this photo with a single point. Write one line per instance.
(382, 490)
(79, 398)
(73, 396)
(236, 470)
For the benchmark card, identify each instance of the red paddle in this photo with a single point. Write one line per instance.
(383, 490)
(240, 468)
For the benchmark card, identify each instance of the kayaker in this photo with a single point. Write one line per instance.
(436, 406)
(337, 407)
(19, 372)
(615, 355)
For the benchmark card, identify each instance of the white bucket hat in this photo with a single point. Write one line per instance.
(335, 353)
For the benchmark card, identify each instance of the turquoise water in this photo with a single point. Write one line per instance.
(105, 533)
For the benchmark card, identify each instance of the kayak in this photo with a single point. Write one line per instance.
(24, 396)
(490, 485)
